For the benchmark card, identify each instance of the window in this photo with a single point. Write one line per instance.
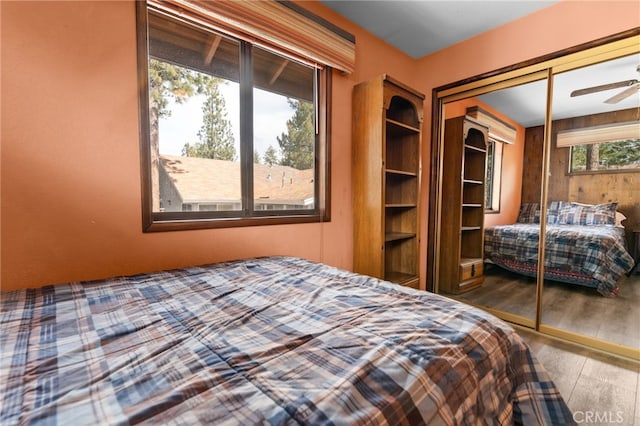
(500, 133)
(232, 134)
(621, 155)
(494, 176)
(606, 148)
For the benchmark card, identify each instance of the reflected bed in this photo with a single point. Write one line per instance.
(583, 245)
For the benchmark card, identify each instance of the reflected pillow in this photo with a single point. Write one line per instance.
(553, 211)
(529, 213)
(581, 214)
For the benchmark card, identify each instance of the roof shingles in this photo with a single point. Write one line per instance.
(204, 180)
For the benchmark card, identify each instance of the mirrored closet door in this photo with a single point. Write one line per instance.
(559, 141)
(593, 201)
(484, 268)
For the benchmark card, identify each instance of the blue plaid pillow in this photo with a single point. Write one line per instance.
(582, 214)
(553, 210)
(529, 213)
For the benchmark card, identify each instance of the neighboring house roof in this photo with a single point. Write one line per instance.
(201, 180)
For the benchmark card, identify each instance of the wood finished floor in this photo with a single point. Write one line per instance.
(593, 384)
(567, 306)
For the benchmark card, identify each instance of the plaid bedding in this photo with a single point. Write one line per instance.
(594, 256)
(273, 340)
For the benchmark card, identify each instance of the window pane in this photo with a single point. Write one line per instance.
(618, 155)
(494, 176)
(284, 138)
(488, 184)
(194, 118)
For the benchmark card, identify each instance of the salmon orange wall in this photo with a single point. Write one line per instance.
(70, 176)
(70, 155)
(512, 163)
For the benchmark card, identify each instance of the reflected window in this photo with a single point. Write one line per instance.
(602, 148)
(603, 157)
(494, 177)
(596, 116)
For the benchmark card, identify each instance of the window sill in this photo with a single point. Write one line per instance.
(602, 172)
(158, 224)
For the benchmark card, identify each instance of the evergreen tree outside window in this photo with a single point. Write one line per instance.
(216, 139)
(621, 155)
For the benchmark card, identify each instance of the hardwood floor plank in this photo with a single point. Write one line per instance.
(564, 368)
(591, 382)
(603, 403)
(562, 361)
(617, 372)
(570, 307)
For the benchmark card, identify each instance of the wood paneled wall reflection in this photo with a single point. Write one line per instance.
(592, 188)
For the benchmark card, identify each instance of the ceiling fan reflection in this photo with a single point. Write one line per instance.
(632, 86)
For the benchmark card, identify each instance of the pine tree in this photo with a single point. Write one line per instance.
(578, 157)
(297, 145)
(620, 153)
(166, 81)
(216, 139)
(270, 156)
(593, 156)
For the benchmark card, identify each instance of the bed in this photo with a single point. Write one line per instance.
(273, 340)
(585, 245)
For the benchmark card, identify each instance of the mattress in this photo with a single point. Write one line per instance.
(589, 255)
(275, 340)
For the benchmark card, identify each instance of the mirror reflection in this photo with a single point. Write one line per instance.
(508, 273)
(593, 209)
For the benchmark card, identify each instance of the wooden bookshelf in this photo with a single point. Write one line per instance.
(386, 179)
(461, 251)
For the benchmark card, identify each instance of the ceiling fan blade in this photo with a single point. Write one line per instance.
(609, 86)
(624, 94)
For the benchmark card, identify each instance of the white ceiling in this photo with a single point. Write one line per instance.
(526, 103)
(419, 28)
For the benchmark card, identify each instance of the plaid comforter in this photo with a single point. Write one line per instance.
(594, 256)
(270, 340)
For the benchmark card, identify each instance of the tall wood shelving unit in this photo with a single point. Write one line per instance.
(387, 141)
(463, 195)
